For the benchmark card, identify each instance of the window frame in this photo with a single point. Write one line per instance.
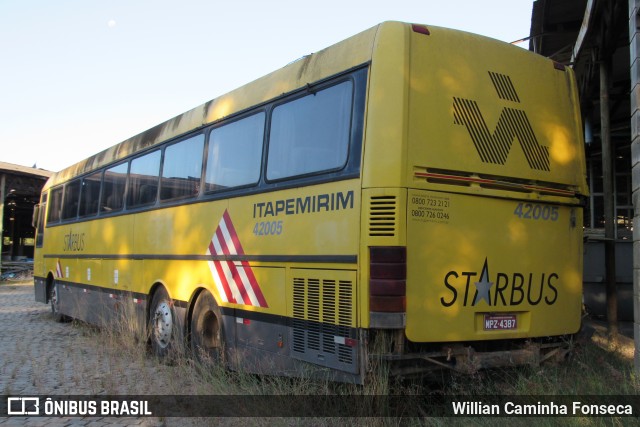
(101, 207)
(312, 91)
(59, 190)
(82, 186)
(128, 195)
(163, 158)
(251, 113)
(66, 194)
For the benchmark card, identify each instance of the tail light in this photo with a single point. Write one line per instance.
(420, 29)
(388, 279)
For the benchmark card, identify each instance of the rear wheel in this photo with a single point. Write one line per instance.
(162, 323)
(207, 338)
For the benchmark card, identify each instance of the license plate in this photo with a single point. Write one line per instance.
(500, 322)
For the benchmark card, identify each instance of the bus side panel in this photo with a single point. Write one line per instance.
(302, 247)
(483, 268)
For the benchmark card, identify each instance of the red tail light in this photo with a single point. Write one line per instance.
(388, 279)
(421, 29)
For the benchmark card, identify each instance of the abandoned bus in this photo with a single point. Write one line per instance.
(414, 186)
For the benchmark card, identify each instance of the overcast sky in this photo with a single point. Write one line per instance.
(77, 76)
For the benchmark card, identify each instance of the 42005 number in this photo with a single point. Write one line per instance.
(537, 212)
(268, 228)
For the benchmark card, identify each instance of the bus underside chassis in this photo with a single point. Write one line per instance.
(411, 359)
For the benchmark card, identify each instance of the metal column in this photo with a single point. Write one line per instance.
(634, 59)
(609, 203)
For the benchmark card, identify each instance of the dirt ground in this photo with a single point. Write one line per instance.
(39, 357)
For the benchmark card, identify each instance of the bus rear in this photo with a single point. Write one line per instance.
(486, 263)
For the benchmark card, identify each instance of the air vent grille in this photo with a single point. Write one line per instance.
(383, 214)
(322, 331)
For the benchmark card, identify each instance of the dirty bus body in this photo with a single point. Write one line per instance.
(412, 186)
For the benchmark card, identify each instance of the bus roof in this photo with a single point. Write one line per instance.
(312, 68)
(343, 56)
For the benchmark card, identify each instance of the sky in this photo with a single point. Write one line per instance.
(78, 76)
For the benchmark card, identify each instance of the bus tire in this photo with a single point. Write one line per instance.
(207, 338)
(162, 323)
(54, 300)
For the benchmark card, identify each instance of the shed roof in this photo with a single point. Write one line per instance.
(24, 170)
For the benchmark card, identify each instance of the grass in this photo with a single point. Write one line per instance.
(597, 367)
(115, 360)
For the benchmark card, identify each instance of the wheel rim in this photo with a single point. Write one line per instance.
(163, 324)
(54, 299)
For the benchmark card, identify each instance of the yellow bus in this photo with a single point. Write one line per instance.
(412, 186)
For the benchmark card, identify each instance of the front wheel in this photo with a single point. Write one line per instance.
(54, 300)
(162, 323)
(206, 329)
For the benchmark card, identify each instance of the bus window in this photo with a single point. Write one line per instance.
(310, 134)
(143, 180)
(71, 199)
(89, 194)
(113, 188)
(55, 205)
(235, 153)
(40, 225)
(182, 168)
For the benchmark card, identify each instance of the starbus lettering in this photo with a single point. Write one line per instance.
(301, 205)
(469, 288)
(73, 242)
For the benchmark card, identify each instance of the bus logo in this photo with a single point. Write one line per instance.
(234, 280)
(513, 123)
(473, 288)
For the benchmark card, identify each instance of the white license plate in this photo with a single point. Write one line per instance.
(500, 322)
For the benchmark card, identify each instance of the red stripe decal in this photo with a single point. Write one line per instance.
(223, 278)
(232, 268)
(242, 277)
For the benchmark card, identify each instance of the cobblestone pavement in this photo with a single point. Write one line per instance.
(39, 357)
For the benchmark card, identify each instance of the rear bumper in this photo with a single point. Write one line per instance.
(467, 359)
